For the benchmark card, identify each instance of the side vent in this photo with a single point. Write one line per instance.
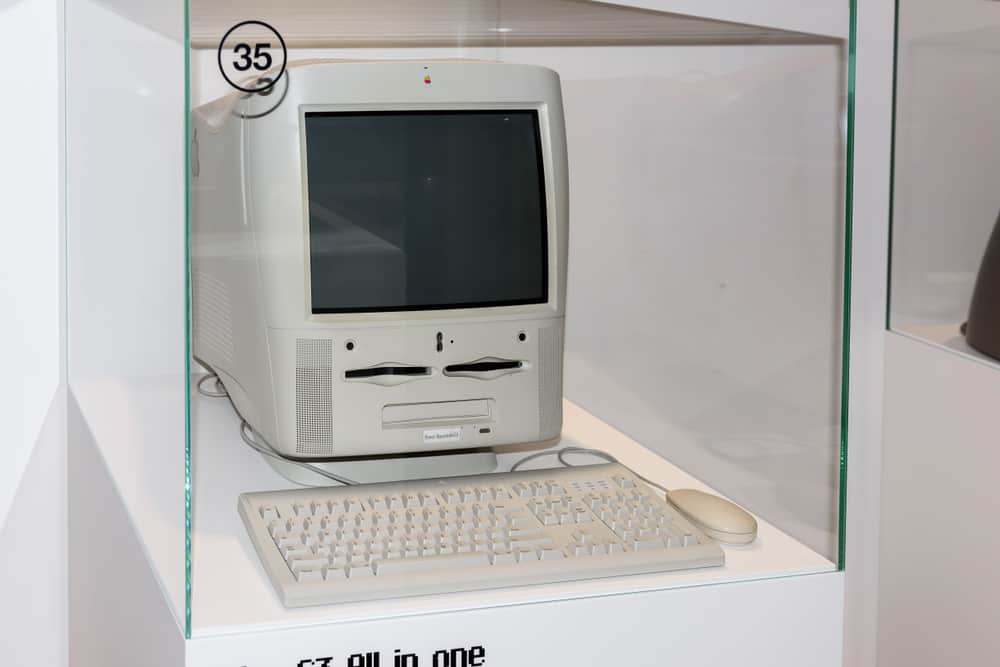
(313, 397)
(213, 320)
(550, 380)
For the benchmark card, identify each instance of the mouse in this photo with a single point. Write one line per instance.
(720, 519)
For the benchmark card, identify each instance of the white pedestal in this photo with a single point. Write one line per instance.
(774, 603)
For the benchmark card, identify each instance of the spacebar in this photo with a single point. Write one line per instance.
(430, 563)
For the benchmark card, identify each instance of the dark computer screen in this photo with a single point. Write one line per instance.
(420, 210)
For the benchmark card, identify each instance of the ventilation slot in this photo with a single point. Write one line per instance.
(314, 397)
(213, 323)
(550, 380)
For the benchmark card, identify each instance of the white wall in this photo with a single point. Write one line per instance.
(947, 163)
(938, 597)
(33, 473)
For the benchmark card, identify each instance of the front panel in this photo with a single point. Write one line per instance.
(380, 391)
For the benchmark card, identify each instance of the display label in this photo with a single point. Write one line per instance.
(474, 656)
(250, 48)
(442, 435)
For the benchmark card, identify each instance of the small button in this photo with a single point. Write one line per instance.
(309, 575)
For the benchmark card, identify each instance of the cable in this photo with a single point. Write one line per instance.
(532, 457)
(589, 451)
(220, 389)
(560, 455)
(251, 437)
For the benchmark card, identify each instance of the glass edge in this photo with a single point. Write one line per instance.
(848, 251)
(892, 167)
(187, 322)
(64, 168)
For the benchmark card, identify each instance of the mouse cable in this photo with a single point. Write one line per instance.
(256, 441)
(561, 454)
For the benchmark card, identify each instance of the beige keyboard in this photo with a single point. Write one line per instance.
(373, 541)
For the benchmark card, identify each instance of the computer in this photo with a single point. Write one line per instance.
(379, 262)
(379, 282)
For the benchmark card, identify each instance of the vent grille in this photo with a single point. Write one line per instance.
(313, 397)
(550, 380)
(213, 320)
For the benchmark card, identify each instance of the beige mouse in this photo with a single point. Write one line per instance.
(717, 517)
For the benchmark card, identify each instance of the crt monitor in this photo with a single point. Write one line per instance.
(379, 259)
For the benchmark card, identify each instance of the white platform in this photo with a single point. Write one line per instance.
(947, 336)
(231, 592)
(941, 458)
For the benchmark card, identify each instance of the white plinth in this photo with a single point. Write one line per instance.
(947, 335)
(703, 617)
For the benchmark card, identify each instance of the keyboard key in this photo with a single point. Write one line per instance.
(432, 564)
(360, 572)
(623, 482)
(293, 551)
(304, 576)
(639, 545)
(526, 555)
(307, 563)
(503, 558)
(542, 542)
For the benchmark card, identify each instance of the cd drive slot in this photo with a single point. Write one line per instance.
(482, 367)
(441, 411)
(487, 368)
(379, 371)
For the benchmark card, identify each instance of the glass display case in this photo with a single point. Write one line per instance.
(682, 309)
(945, 203)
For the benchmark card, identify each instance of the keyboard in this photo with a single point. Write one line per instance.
(375, 541)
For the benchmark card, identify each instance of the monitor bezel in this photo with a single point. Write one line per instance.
(461, 311)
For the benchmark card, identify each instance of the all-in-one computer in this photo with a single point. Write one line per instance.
(379, 262)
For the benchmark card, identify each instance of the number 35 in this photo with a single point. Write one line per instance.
(261, 59)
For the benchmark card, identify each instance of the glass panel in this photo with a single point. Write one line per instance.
(945, 199)
(705, 291)
(368, 280)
